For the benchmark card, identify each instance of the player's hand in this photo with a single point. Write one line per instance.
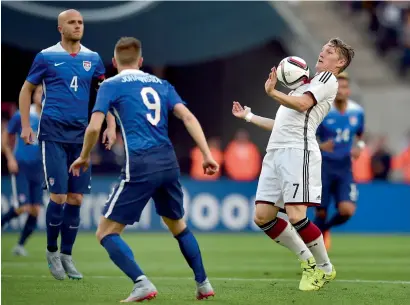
(80, 163)
(239, 111)
(355, 152)
(328, 146)
(271, 81)
(28, 135)
(12, 166)
(210, 166)
(109, 137)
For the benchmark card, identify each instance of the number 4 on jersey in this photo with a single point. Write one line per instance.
(73, 84)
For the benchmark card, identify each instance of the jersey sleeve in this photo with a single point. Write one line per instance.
(38, 70)
(323, 86)
(173, 97)
(320, 132)
(360, 130)
(105, 97)
(14, 124)
(100, 69)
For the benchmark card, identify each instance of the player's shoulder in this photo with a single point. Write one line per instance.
(325, 77)
(86, 51)
(353, 106)
(57, 48)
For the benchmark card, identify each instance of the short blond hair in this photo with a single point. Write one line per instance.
(127, 50)
(344, 50)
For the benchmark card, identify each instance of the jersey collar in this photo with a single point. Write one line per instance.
(131, 71)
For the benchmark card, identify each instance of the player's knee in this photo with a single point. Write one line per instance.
(108, 227)
(321, 213)
(58, 198)
(23, 209)
(175, 226)
(35, 210)
(74, 199)
(347, 208)
(264, 213)
(296, 213)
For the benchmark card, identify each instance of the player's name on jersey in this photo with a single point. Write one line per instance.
(141, 78)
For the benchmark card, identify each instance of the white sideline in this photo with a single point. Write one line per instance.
(216, 279)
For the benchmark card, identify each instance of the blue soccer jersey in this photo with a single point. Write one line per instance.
(66, 80)
(342, 129)
(23, 153)
(141, 103)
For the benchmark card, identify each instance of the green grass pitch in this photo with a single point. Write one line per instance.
(243, 268)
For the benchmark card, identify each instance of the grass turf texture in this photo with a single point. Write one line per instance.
(243, 269)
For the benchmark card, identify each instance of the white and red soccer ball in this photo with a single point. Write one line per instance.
(292, 72)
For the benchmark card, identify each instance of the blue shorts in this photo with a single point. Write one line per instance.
(57, 159)
(337, 184)
(128, 199)
(27, 184)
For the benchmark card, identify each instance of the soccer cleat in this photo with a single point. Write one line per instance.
(19, 250)
(307, 282)
(204, 290)
(143, 290)
(68, 265)
(327, 239)
(321, 278)
(55, 266)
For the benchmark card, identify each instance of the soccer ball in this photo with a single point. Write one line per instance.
(292, 72)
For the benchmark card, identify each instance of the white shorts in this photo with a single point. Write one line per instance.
(290, 176)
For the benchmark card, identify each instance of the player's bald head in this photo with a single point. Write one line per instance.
(67, 14)
(71, 25)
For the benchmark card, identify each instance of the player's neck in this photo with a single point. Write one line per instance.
(72, 47)
(122, 68)
(341, 106)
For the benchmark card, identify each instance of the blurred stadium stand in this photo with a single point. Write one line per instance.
(214, 53)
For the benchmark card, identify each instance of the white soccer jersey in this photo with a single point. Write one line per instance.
(296, 129)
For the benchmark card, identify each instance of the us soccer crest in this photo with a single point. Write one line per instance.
(353, 120)
(51, 180)
(87, 65)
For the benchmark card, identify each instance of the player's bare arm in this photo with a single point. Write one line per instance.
(358, 147)
(110, 134)
(247, 115)
(298, 103)
(6, 149)
(327, 145)
(90, 139)
(195, 130)
(26, 92)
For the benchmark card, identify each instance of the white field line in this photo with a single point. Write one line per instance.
(217, 279)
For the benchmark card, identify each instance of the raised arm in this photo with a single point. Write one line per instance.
(247, 115)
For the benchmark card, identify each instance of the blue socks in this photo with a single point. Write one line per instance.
(8, 216)
(28, 229)
(69, 228)
(121, 254)
(54, 220)
(190, 249)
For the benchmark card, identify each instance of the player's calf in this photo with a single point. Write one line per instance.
(192, 253)
(310, 234)
(280, 230)
(108, 234)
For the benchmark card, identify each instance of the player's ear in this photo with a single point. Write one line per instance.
(60, 29)
(140, 62)
(114, 63)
